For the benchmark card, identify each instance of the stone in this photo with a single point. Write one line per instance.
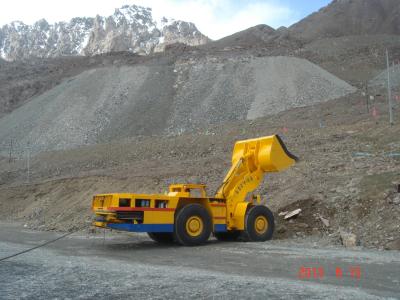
(393, 245)
(292, 213)
(281, 229)
(324, 221)
(396, 199)
(349, 240)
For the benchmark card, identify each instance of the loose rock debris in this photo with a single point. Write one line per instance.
(292, 214)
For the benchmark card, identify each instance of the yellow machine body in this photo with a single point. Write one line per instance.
(251, 159)
(154, 212)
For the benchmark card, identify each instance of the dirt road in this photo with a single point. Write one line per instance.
(124, 266)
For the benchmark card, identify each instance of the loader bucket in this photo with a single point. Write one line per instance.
(270, 153)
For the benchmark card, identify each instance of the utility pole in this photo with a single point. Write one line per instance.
(11, 145)
(366, 96)
(389, 89)
(28, 162)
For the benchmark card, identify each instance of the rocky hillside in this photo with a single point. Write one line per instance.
(130, 28)
(350, 17)
(22, 80)
(166, 96)
(251, 37)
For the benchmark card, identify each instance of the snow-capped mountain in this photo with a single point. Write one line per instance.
(179, 32)
(130, 28)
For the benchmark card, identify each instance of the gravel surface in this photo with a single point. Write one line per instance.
(74, 112)
(287, 82)
(130, 265)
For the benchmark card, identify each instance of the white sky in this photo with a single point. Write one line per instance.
(215, 18)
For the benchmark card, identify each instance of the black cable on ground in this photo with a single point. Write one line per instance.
(38, 246)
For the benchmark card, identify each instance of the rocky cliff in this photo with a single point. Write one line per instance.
(130, 28)
(180, 32)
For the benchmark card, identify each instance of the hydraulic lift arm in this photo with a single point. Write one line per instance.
(251, 159)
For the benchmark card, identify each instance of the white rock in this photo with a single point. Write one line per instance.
(349, 240)
(396, 200)
(292, 213)
(324, 221)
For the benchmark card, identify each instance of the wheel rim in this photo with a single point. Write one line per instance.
(194, 226)
(261, 225)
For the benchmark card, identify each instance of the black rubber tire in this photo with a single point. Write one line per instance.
(162, 237)
(250, 233)
(180, 232)
(228, 236)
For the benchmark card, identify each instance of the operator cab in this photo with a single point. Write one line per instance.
(188, 190)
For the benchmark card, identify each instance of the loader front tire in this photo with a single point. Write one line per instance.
(259, 224)
(162, 237)
(192, 225)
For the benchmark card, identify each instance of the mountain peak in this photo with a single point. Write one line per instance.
(175, 31)
(130, 28)
(132, 14)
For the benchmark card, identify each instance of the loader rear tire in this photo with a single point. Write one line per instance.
(162, 237)
(228, 236)
(192, 225)
(259, 224)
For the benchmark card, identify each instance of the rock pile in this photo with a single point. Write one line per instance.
(118, 102)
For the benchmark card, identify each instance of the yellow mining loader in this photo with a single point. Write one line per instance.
(188, 216)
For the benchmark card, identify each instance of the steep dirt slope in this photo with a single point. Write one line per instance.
(355, 59)
(259, 40)
(349, 37)
(350, 17)
(256, 36)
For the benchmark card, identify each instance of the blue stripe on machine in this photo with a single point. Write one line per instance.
(142, 227)
(220, 228)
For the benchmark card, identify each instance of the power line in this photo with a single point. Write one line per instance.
(389, 89)
(38, 246)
